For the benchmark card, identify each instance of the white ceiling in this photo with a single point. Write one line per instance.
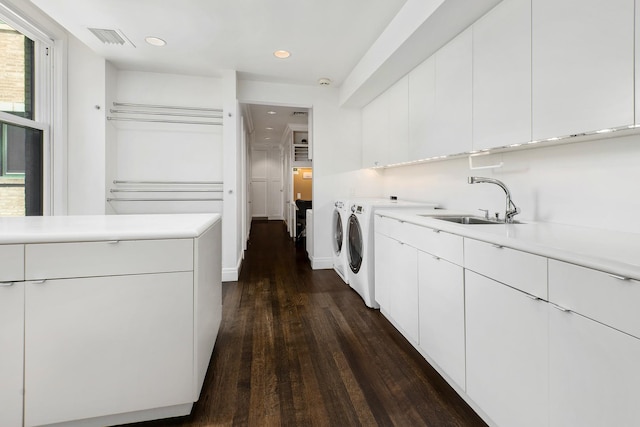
(326, 38)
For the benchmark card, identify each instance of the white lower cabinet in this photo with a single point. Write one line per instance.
(11, 352)
(506, 352)
(107, 345)
(441, 301)
(487, 325)
(396, 276)
(594, 349)
(594, 375)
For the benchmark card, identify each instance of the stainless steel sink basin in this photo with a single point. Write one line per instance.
(470, 220)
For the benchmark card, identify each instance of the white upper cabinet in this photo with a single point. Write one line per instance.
(452, 126)
(374, 124)
(422, 109)
(502, 76)
(637, 64)
(385, 127)
(582, 66)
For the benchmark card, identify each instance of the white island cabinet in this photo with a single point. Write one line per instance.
(11, 334)
(120, 316)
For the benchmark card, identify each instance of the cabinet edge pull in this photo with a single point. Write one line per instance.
(558, 307)
(38, 282)
(113, 242)
(6, 284)
(497, 246)
(437, 258)
(435, 230)
(616, 276)
(532, 297)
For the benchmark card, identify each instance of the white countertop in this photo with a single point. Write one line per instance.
(610, 251)
(49, 229)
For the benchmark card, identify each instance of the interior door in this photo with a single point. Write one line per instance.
(258, 184)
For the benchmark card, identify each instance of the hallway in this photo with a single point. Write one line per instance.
(298, 347)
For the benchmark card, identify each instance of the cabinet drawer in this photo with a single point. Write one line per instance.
(389, 227)
(435, 242)
(596, 295)
(12, 257)
(87, 259)
(521, 270)
(443, 245)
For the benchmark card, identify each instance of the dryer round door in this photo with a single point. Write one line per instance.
(338, 236)
(356, 244)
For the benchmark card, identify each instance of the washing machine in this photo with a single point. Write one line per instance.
(339, 232)
(360, 243)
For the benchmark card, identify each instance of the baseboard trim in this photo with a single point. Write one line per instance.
(232, 274)
(323, 263)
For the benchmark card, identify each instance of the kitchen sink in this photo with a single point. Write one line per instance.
(469, 220)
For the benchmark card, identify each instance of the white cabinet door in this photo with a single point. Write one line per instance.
(507, 352)
(583, 66)
(385, 122)
(403, 294)
(453, 122)
(441, 301)
(12, 352)
(397, 264)
(383, 270)
(422, 110)
(502, 76)
(397, 145)
(107, 345)
(375, 124)
(594, 373)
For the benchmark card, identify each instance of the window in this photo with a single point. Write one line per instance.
(22, 138)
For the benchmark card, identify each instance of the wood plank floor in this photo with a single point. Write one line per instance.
(298, 347)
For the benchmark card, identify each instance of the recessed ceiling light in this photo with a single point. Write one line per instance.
(282, 54)
(268, 137)
(271, 112)
(155, 41)
(269, 128)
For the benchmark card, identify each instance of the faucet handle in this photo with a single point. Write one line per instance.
(486, 212)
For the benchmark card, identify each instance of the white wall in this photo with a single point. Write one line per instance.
(232, 246)
(86, 130)
(592, 184)
(336, 147)
(111, 154)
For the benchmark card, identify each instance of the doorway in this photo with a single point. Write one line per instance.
(278, 139)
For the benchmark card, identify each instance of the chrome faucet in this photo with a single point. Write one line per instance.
(511, 210)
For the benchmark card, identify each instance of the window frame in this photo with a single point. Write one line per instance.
(45, 85)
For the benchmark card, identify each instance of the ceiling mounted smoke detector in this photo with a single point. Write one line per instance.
(324, 81)
(107, 36)
(299, 113)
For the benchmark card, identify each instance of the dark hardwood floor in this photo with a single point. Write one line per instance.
(298, 347)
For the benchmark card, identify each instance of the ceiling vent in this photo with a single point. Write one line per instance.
(107, 36)
(299, 113)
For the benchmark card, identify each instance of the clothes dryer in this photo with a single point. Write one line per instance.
(339, 238)
(360, 243)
